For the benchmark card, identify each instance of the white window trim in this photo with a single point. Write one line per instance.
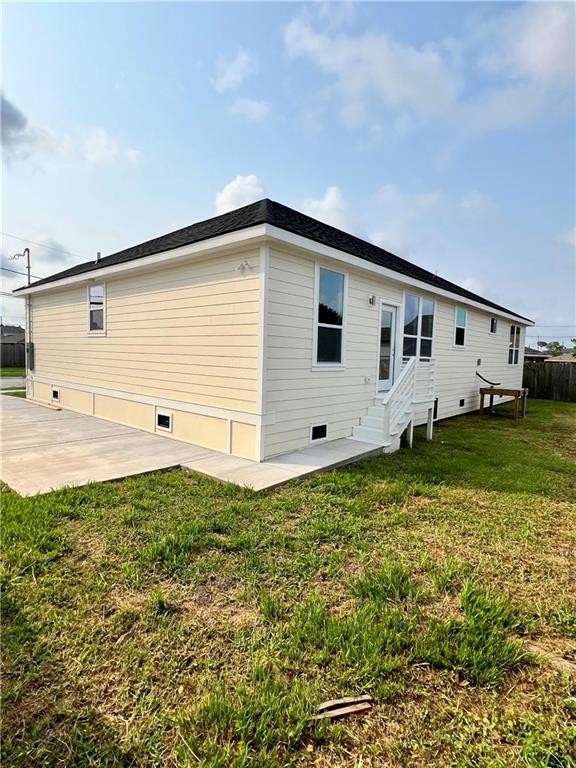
(316, 366)
(493, 332)
(465, 326)
(517, 335)
(52, 398)
(418, 336)
(104, 307)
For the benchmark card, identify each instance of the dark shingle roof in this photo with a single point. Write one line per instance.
(269, 212)
(533, 352)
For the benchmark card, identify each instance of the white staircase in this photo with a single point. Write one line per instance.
(395, 411)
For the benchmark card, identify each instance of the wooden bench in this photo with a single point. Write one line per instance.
(518, 407)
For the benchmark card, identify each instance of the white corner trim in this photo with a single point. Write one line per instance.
(262, 345)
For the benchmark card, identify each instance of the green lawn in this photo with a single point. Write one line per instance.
(6, 372)
(169, 620)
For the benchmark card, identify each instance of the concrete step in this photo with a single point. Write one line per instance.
(373, 421)
(393, 446)
(370, 435)
(377, 411)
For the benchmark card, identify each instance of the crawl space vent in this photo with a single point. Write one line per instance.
(319, 432)
(164, 421)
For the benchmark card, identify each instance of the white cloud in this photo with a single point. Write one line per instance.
(99, 148)
(133, 156)
(250, 109)
(336, 14)
(231, 73)
(528, 50)
(569, 237)
(241, 191)
(473, 285)
(21, 140)
(533, 41)
(373, 66)
(331, 209)
(476, 201)
(531, 50)
(399, 213)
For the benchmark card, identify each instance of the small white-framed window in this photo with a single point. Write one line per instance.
(418, 326)
(493, 325)
(329, 317)
(97, 310)
(514, 345)
(460, 318)
(55, 395)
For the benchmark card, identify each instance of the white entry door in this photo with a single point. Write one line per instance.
(387, 350)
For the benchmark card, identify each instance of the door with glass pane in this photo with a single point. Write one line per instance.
(387, 350)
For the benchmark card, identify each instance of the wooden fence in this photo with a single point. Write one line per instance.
(12, 354)
(551, 381)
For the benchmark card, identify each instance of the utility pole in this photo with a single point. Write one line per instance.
(25, 254)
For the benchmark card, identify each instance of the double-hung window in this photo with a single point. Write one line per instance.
(514, 345)
(418, 326)
(96, 310)
(460, 318)
(330, 308)
(493, 325)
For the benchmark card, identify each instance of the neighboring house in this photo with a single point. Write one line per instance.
(12, 334)
(532, 355)
(566, 357)
(263, 331)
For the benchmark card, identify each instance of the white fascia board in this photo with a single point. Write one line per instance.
(185, 251)
(327, 251)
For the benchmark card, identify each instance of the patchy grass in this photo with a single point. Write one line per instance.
(168, 620)
(14, 392)
(9, 372)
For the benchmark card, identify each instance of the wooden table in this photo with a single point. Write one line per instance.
(518, 407)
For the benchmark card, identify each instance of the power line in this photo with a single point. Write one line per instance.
(17, 272)
(42, 245)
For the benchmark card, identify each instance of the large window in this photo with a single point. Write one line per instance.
(514, 345)
(96, 309)
(330, 317)
(418, 326)
(460, 327)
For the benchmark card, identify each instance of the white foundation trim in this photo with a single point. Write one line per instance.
(203, 410)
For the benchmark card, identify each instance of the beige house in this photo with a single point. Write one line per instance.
(264, 331)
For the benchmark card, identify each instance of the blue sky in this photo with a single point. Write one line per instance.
(442, 131)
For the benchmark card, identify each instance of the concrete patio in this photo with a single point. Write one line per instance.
(45, 449)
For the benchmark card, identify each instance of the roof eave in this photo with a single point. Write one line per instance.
(252, 233)
(220, 242)
(299, 241)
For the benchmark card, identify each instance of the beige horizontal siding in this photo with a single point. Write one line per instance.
(188, 332)
(298, 396)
